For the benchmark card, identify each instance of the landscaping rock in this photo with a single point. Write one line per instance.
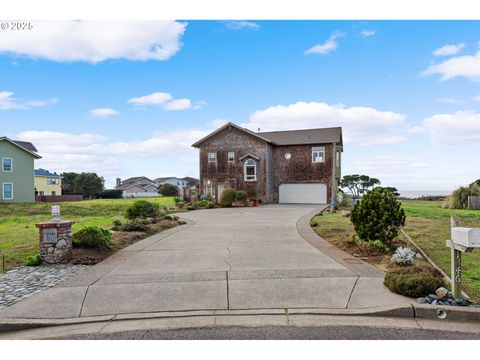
(441, 292)
(346, 213)
(25, 281)
(421, 300)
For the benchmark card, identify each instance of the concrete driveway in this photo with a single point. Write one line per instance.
(237, 258)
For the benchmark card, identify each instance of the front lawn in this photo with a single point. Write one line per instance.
(19, 236)
(429, 226)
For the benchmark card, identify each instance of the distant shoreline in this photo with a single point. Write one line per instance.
(415, 194)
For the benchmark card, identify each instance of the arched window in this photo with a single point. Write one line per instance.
(250, 170)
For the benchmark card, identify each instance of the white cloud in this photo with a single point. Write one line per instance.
(416, 130)
(178, 104)
(451, 100)
(165, 101)
(449, 49)
(95, 41)
(368, 33)
(217, 123)
(104, 112)
(156, 98)
(476, 98)
(199, 104)
(327, 47)
(241, 25)
(361, 125)
(8, 102)
(455, 128)
(467, 66)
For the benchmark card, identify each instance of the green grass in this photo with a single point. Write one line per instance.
(19, 236)
(428, 223)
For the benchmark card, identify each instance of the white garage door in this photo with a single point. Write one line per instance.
(303, 194)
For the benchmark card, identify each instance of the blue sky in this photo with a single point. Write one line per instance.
(127, 99)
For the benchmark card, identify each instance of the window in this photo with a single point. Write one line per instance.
(7, 191)
(212, 157)
(54, 193)
(231, 156)
(318, 154)
(52, 181)
(250, 170)
(42, 193)
(7, 164)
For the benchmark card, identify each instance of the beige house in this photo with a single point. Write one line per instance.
(47, 183)
(140, 186)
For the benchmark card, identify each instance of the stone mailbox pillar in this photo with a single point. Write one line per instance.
(55, 241)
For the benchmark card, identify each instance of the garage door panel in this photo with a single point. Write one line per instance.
(303, 194)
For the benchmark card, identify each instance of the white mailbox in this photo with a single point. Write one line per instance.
(467, 237)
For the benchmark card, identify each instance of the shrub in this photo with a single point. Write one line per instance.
(241, 196)
(459, 198)
(313, 222)
(168, 190)
(117, 224)
(378, 216)
(403, 256)
(210, 205)
(374, 245)
(227, 197)
(111, 194)
(135, 225)
(143, 209)
(346, 201)
(92, 236)
(414, 281)
(181, 204)
(177, 200)
(201, 203)
(33, 260)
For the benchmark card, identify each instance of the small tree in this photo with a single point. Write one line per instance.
(378, 216)
(227, 197)
(168, 190)
(88, 184)
(357, 185)
(394, 190)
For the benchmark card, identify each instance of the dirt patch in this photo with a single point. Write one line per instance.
(120, 240)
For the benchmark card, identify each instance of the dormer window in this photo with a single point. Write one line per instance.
(231, 156)
(250, 170)
(318, 154)
(212, 157)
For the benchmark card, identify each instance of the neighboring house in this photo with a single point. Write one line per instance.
(140, 186)
(298, 166)
(192, 182)
(47, 183)
(178, 182)
(16, 172)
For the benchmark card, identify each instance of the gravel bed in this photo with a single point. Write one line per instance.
(25, 281)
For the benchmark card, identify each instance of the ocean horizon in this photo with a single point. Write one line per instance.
(410, 194)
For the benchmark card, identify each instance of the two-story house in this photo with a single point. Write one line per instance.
(16, 172)
(172, 180)
(47, 183)
(297, 166)
(139, 186)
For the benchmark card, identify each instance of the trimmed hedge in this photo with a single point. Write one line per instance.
(111, 194)
(413, 281)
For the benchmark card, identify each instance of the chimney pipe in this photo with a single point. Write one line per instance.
(119, 182)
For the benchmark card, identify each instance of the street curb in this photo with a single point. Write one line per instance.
(419, 311)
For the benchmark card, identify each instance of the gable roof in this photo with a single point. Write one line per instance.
(307, 136)
(43, 172)
(24, 145)
(288, 137)
(166, 178)
(136, 178)
(227, 125)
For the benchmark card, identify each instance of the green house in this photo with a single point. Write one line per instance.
(16, 171)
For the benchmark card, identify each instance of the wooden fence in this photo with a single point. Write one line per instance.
(474, 202)
(58, 198)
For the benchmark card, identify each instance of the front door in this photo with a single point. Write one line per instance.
(220, 189)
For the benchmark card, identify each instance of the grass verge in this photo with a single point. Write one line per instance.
(19, 236)
(428, 223)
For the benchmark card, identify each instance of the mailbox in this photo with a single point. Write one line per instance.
(467, 237)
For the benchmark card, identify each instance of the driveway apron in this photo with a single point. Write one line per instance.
(234, 258)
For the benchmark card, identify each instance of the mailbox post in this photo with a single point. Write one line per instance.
(462, 240)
